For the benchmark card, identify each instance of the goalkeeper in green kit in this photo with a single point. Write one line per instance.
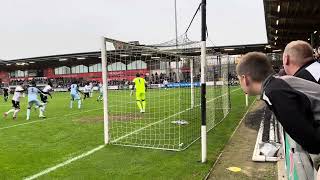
(140, 85)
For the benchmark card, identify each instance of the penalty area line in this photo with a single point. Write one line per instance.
(160, 121)
(53, 168)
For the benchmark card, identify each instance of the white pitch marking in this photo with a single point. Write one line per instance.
(46, 171)
(157, 122)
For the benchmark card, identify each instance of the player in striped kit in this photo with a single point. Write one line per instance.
(15, 102)
(86, 91)
(46, 92)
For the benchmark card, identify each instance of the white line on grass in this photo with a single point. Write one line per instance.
(46, 171)
(157, 122)
(217, 160)
(36, 121)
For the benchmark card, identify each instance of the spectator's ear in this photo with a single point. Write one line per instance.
(286, 59)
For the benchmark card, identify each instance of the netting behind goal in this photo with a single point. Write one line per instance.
(171, 117)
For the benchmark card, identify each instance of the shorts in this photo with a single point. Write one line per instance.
(75, 97)
(5, 94)
(87, 94)
(140, 96)
(15, 104)
(44, 98)
(34, 102)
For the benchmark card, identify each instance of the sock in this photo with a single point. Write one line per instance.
(10, 111)
(143, 105)
(28, 114)
(71, 103)
(16, 112)
(41, 110)
(44, 107)
(79, 104)
(139, 105)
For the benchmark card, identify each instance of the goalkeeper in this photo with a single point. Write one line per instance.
(140, 85)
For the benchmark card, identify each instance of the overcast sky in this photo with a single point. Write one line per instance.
(30, 28)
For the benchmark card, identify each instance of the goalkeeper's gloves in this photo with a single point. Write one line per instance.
(131, 92)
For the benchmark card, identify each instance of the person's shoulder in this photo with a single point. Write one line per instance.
(275, 85)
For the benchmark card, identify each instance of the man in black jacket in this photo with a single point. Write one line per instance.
(298, 61)
(294, 101)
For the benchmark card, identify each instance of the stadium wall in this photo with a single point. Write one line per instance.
(91, 76)
(4, 77)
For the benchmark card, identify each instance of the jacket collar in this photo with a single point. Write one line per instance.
(266, 82)
(304, 66)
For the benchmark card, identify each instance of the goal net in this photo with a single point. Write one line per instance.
(166, 114)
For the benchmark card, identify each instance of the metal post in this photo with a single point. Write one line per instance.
(176, 33)
(176, 21)
(191, 82)
(105, 89)
(203, 84)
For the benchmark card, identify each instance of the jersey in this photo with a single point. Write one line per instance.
(91, 86)
(33, 93)
(5, 91)
(74, 89)
(101, 88)
(87, 88)
(140, 84)
(17, 93)
(47, 89)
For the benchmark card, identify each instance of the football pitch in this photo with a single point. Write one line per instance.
(31, 147)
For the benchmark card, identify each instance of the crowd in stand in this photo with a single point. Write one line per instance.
(56, 82)
(159, 78)
(151, 79)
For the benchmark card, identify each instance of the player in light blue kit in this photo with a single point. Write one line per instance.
(100, 87)
(33, 93)
(75, 94)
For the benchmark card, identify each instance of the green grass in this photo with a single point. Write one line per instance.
(30, 148)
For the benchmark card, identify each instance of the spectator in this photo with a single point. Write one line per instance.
(294, 101)
(298, 61)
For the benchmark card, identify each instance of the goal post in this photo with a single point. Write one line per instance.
(105, 89)
(203, 82)
(168, 114)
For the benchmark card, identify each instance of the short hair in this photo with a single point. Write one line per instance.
(33, 82)
(256, 65)
(138, 74)
(301, 50)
